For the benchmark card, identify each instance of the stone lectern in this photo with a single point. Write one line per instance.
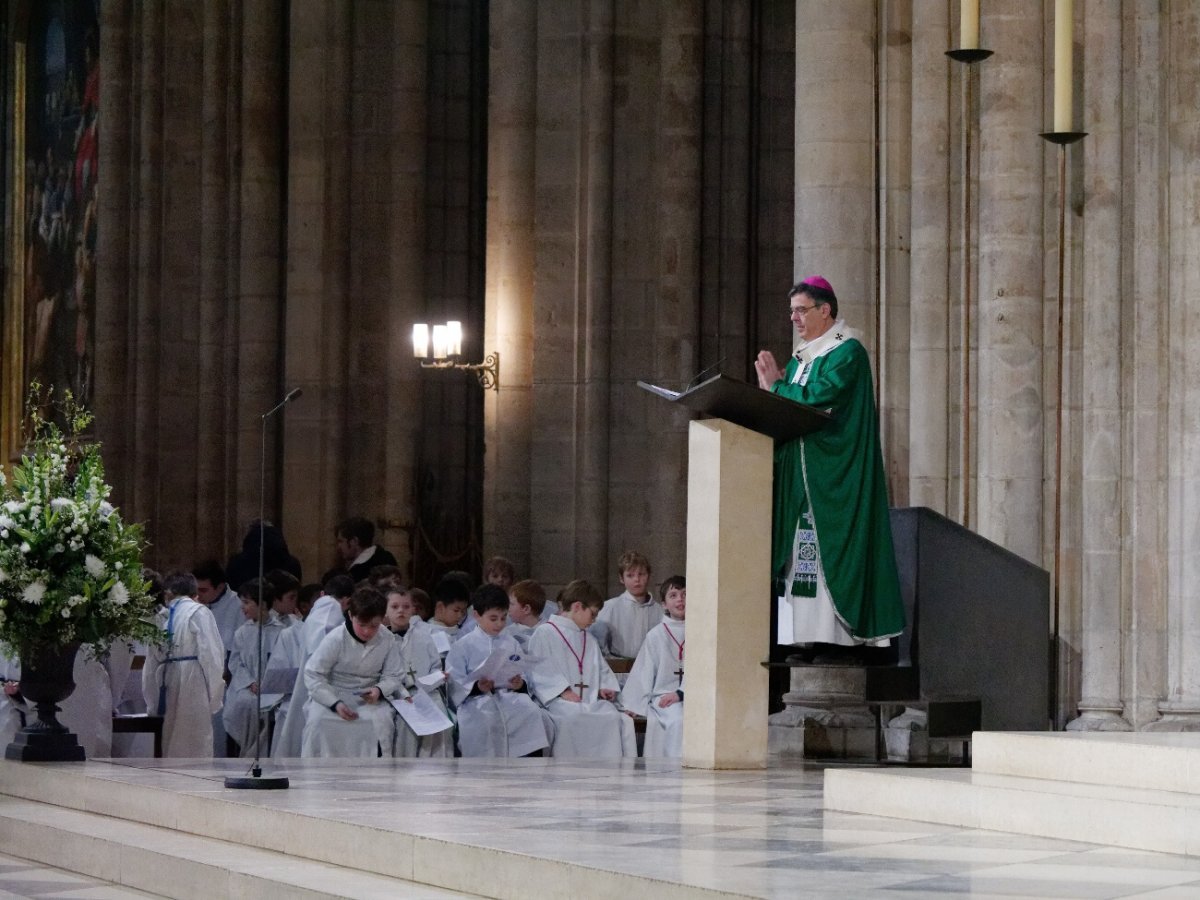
(730, 471)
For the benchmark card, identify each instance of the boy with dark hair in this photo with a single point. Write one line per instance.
(493, 719)
(420, 659)
(241, 703)
(450, 599)
(222, 601)
(574, 683)
(350, 678)
(655, 685)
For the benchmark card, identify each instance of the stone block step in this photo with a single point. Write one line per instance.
(174, 864)
(1144, 760)
(1139, 819)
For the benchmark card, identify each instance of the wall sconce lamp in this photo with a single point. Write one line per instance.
(445, 350)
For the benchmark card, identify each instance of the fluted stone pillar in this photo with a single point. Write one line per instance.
(835, 153)
(1011, 428)
(572, 295)
(930, 267)
(1180, 707)
(1102, 589)
(508, 414)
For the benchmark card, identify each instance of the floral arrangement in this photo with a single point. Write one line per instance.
(70, 569)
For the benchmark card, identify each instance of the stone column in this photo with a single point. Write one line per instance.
(1011, 432)
(572, 295)
(1145, 381)
(508, 414)
(1181, 706)
(1100, 708)
(835, 154)
(930, 279)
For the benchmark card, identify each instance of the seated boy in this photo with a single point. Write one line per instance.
(526, 600)
(493, 720)
(654, 686)
(420, 658)
(500, 572)
(573, 681)
(349, 679)
(626, 619)
(450, 599)
(182, 679)
(241, 703)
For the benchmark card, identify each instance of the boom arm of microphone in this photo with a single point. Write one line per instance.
(291, 395)
(705, 373)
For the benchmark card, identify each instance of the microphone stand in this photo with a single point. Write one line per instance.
(255, 780)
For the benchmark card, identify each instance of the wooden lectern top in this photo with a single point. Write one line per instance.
(722, 397)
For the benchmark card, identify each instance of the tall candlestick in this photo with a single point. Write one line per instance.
(1063, 58)
(968, 30)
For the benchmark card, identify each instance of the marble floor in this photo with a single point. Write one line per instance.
(24, 879)
(745, 834)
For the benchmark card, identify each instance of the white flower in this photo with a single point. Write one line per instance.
(3, 532)
(59, 548)
(3, 576)
(66, 612)
(25, 546)
(119, 594)
(6, 522)
(59, 503)
(117, 566)
(34, 592)
(94, 566)
(13, 506)
(106, 509)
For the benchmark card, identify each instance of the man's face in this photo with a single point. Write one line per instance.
(348, 548)
(491, 622)
(811, 320)
(207, 592)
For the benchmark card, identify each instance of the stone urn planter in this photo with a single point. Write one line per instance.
(46, 680)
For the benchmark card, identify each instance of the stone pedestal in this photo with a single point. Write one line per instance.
(728, 574)
(826, 716)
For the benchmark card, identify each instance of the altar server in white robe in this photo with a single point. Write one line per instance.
(88, 711)
(327, 613)
(14, 711)
(182, 679)
(450, 601)
(493, 719)
(420, 659)
(626, 619)
(350, 679)
(655, 682)
(526, 603)
(573, 681)
(241, 702)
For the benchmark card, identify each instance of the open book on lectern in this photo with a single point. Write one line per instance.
(748, 405)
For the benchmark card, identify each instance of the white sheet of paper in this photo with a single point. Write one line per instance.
(432, 681)
(270, 701)
(422, 715)
(279, 681)
(441, 641)
(501, 667)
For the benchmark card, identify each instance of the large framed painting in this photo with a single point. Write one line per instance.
(51, 172)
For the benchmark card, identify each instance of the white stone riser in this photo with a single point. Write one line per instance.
(234, 819)
(1160, 821)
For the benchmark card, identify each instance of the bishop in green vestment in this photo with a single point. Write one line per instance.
(831, 549)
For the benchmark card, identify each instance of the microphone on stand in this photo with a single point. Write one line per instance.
(255, 780)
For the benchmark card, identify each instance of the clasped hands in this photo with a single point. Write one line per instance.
(767, 369)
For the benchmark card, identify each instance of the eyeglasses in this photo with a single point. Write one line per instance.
(802, 310)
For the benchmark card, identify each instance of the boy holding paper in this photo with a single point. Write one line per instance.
(422, 672)
(493, 719)
(350, 678)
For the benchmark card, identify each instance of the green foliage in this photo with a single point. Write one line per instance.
(70, 569)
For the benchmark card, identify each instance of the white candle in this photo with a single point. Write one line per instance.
(968, 30)
(420, 341)
(1063, 59)
(439, 341)
(454, 338)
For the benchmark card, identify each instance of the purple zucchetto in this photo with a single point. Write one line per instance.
(818, 282)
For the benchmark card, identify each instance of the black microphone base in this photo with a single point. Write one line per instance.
(256, 782)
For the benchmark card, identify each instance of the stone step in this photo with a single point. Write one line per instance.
(1140, 819)
(1144, 760)
(174, 864)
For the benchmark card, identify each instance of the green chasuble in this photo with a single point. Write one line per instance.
(834, 479)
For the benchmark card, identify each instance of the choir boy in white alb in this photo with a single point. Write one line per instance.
(226, 606)
(450, 599)
(573, 681)
(654, 686)
(14, 711)
(351, 677)
(500, 572)
(526, 600)
(287, 596)
(493, 719)
(241, 703)
(327, 613)
(182, 678)
(626, 620)
(420, 658)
